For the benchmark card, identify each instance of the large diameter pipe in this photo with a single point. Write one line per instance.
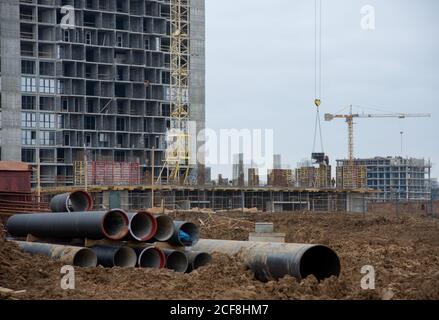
(76, 201)
(270, 261)
(76, 256)
(112, 224)
(142, 226)
(185, 234)
(197, 259)
(176, 260)
(150, 257)
(112, 256)
(165, 228)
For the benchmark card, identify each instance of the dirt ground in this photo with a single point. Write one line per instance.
(403, 250)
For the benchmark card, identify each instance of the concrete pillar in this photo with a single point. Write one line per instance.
(348, 202)
(124, 200)
(242, 200)
(148, 202)
(106, 199)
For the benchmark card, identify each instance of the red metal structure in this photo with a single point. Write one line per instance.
(15, 177)
(15, 189)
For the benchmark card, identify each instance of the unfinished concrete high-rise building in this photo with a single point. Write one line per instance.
(96, 88)
(396, 178)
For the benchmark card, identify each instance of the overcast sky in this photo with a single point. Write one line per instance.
(260, 73)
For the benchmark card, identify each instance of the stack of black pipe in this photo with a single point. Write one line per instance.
(78, 236)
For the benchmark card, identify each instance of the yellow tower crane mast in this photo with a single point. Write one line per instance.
(177, 160)
(350, 121)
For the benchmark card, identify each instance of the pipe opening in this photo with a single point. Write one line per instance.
(165, 228)
(125, 258)
(142, 226)
(188, 235)
(320, 261)
(202, 259)
(79, 201)
(151, 258)
(85, 258)
(177, 261)
(115, 224)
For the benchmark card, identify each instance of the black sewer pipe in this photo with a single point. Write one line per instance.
(112, 256)
(76, 201)
(165, 228)
(76, 256)
(271, 261)
(189, 229)
(150, 257)
(112, 224)
(176, 260)
(197, 259)
(142, 226)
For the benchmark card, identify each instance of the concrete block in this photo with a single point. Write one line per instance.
(264, 227)
(267, 237)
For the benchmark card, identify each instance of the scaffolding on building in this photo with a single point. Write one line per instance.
(351, 177)
(314, 177)
(280, 178)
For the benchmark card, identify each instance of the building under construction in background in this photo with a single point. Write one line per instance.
(363, 173)
(315, 175)
(99, 91)
(350, 176)
(404, 179)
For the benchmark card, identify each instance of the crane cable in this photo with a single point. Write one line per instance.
(318, 70)
(318, 52)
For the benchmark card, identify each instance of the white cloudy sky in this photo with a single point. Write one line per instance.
(260, 73)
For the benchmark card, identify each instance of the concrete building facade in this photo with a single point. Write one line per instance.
(94, 90)
(405, 179)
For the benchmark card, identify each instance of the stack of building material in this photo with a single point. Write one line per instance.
(113, 238)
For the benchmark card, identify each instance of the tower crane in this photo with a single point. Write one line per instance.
(178, 154)
(350, 121)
